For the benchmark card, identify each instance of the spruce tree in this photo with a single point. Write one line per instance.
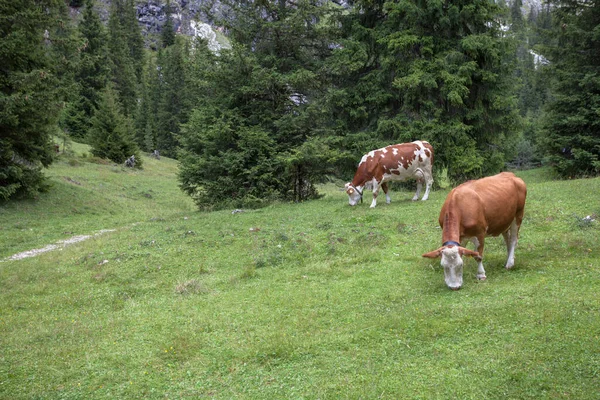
(167, 34)
(571, 133)
(126, 53)
(144, 118)
(172, 105)
(426, 70)
(31, 58)
(134, 39)
(91, 75)
(264, 97)
(110, 135)
(152, 93)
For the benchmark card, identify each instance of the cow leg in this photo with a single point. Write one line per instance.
(375, 193)
(479, 243)
(429, 182)
(384, 186)
(510, 238)
(419, 177)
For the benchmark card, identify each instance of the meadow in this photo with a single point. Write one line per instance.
(316, 300)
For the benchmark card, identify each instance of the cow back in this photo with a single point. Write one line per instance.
(394, 162)
(490, 203)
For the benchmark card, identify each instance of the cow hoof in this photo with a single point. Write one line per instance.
(481, 277)
(415, 199)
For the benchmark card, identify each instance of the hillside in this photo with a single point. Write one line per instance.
(310, 300)
(88, 195)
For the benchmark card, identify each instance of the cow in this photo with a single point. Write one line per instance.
(392, 163)
(485, 207)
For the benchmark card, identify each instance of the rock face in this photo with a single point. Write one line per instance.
(152, 14)
(190, 17)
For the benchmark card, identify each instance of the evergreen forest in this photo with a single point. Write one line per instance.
(301, 91)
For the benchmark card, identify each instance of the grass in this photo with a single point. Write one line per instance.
(87, 196)
(311, 300)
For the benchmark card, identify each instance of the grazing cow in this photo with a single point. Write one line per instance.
(485, 207)
(392, 163)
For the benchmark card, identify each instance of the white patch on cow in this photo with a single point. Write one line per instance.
(480, 270)
(420, 151)
(453, 267)
(395, 151)
(384, 150)
(375, 192)
(511, 238)
(353, 194)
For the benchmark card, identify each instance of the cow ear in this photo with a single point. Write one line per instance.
(433, 254)
(470, 253)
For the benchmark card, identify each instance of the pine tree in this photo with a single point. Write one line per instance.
(172, 106)
(437, 71)
(145, 117)
(571, 133)
(134, 39)
(264, 98)
(167, 34)
(516, 15)
(31, 56)
(111, 132)
(91, 75)
(126, 53)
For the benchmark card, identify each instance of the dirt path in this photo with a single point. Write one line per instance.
(58, 245)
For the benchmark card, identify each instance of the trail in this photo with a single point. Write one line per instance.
(58, 245)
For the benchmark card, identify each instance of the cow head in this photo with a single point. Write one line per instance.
(452, 263)
(354, 194)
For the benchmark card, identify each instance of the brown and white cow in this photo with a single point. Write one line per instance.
(393, 163)
(485, 207)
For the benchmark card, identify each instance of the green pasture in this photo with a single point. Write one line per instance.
(317, 300)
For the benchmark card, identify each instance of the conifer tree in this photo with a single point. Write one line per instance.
(146, 112)
(571, 133)
(263, 96)
(91, 75)
(516, 15)
(167, 34)
(426, 70)
(134, 39)
(126, 53)
(33, 51)
(172, 105)
(110, 134)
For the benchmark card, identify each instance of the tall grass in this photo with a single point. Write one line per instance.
(310, 300)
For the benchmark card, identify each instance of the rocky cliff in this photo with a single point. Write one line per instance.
(190, 17)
